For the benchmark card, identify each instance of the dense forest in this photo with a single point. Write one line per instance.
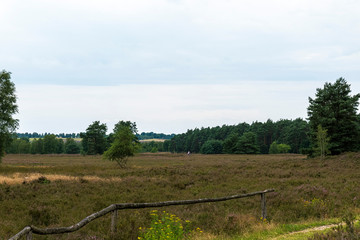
(244, 138)
(152, 135)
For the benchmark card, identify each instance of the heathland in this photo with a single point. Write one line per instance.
(60, 190)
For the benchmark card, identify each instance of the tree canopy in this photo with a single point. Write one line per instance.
(124, 144)
(245, 138)
(8, 108)
(335, 110)
(94, 139)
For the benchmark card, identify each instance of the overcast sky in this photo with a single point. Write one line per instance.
(173, 65)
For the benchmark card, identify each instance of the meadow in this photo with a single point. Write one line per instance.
(60, 190)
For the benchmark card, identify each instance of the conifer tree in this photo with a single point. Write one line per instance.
(336, 111)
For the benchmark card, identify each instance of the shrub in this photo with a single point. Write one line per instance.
(212, 147)
(166, 226)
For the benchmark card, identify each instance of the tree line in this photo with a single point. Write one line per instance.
(244, 138)
(49, 144)
(41, 135)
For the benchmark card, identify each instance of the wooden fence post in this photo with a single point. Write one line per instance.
(114, 216)
(263, 206)
(29, 236)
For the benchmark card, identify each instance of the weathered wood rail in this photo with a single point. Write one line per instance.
(30, 230)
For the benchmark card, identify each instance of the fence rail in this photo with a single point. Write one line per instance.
(30, 230)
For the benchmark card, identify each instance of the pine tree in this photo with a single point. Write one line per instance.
(336, 111)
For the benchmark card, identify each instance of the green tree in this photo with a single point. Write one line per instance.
(124, 145)
(283, 148)
(8, 108)
(230, 143)
(50, 144)
(335, 110)
(37, 146)
(322, 142)
(212, 147)
(60, 146)
(71, 147)
(274, 148)
(94, 139)
(247, 144)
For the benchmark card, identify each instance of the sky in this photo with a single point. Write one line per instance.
(173, 65)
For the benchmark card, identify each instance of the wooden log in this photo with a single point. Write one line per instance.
(76, 226)
(121, 206)
(22, 233)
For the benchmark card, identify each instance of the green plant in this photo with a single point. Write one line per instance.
(166, 226)
(316, 207)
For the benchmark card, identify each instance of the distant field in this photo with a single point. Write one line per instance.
(75, 186)
(64, 139)
(153, 140)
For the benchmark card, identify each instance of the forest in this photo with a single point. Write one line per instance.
(242, 138)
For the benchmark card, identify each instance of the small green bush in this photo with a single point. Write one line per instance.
(166, 226)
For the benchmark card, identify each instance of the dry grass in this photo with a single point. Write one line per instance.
(77, 186)
(23, 178)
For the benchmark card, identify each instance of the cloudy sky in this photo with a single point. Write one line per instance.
(173, 65)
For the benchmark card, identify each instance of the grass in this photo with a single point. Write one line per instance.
(60, 190)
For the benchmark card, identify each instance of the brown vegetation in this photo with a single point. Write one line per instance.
(62, 190)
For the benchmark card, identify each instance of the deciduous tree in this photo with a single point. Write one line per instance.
(8, 108)
(322, 141)
(124, 144)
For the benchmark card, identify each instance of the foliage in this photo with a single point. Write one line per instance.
(230, 143)
(94, 139)
(47, 145)
(41, 135)
(247, 144)
(71, 146)
(276, 148)
(350, 231)
(53, 145)
(152, 146)
(124, 144)
(290, 132)
(166, 226)
(336, 111)
(19, 146)
(152, 135)
(212, 147)
(322, 142)
(8, 108)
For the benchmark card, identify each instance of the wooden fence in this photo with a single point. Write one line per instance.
(30, 230)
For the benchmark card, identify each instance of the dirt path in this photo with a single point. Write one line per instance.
(314, 229)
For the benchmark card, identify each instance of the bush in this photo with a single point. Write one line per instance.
(166, 226)
(212, 147)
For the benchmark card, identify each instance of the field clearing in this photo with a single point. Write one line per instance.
(60, 190)
(153, 140)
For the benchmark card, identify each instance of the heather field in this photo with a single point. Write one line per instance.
(60, 190)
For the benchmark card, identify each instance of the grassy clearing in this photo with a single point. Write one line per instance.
(75, 186)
